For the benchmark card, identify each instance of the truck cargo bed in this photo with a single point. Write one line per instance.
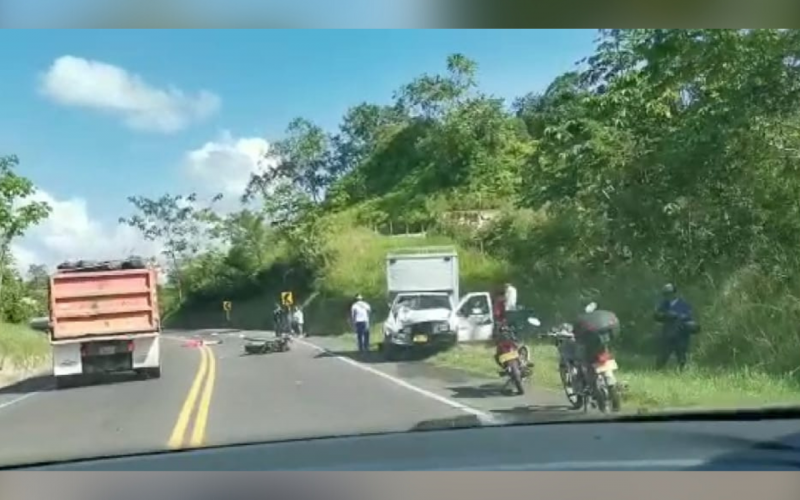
(103, 303)
(423, 269)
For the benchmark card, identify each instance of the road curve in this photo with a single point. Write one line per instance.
(213, 394)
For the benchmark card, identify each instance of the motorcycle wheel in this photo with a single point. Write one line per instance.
(516, 376)
(574, 397)
(524, 355)
(615, 398)
(601, 395)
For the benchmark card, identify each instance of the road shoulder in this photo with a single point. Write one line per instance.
(464, 388)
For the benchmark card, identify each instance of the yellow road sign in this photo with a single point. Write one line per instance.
(227, 306)
(287, 298)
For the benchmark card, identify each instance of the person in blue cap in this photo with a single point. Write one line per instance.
(677, 319)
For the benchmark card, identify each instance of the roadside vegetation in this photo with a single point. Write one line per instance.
(21, 349)
(666, 155)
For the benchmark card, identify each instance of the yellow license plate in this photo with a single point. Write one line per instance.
(608, 366)
(505, 358)
(420, 339)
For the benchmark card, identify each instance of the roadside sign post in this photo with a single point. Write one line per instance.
(227, 306)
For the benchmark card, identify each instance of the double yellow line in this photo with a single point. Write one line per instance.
(202, 389)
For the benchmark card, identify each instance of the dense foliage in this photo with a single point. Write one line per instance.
(665, 155)
(18, 212)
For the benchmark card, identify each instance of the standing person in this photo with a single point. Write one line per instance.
(359, 317)
(675, 314)
(277, 318)
(297, 321)
(510, 297)
(499, 313)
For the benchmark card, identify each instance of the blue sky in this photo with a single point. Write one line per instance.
(256, 80)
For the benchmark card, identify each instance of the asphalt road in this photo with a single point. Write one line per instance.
(214, 395)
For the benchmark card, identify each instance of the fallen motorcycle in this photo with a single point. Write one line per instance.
(280, 343)
(514, 358)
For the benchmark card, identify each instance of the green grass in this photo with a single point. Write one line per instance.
(649, 389)
(22, 348)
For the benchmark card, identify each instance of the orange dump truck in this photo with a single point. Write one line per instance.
(104, 318)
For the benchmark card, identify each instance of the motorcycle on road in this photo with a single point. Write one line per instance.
(587, 383)
(514, 357)
(279, 343)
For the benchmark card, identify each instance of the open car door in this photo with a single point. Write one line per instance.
(474, 318)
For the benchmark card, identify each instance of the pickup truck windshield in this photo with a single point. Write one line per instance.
(419, 302)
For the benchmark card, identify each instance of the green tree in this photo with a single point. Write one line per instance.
(303, 163)
(18, 211)
(175, 222)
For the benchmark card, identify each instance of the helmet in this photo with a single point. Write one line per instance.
(359, 297)
(669, 288)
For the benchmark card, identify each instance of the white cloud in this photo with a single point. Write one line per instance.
(77, 82)
(70, 233)
(225, 165)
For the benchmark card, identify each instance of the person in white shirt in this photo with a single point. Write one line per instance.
(297, 321)
(511, 297)
(359, 317)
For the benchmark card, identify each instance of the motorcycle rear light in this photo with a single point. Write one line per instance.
(603, 357)
(506, 346)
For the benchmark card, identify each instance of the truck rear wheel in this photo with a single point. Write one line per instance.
(148, 373)
(67, 382)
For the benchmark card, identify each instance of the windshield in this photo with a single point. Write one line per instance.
(202, 233)
(422, 302)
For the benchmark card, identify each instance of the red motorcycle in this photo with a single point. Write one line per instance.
(513, 357)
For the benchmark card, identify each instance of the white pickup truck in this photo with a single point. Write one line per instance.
(425, 309)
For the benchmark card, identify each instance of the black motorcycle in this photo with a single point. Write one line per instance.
(587, 383)
(280, 343)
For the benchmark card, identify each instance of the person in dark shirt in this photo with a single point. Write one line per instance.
(278, 319)
(677, 319)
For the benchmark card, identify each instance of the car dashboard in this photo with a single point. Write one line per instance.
(707, 444)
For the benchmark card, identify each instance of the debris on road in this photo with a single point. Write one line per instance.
(200, 342)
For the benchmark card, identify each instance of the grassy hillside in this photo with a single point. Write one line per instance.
(356, 265)
(21, 349)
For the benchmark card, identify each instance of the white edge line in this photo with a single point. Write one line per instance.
(485, 418)
(5, 405)
(47, 388)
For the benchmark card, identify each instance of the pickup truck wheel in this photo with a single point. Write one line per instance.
(390, 352)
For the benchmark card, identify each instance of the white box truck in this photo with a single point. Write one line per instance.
(425, 307)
